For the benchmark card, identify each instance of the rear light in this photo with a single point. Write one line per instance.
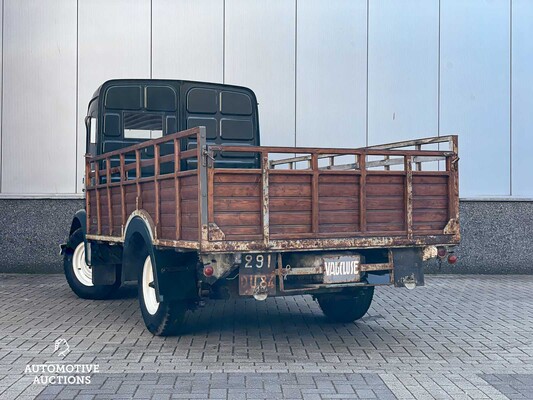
(441, 252)
(208, 271)
(452, 259)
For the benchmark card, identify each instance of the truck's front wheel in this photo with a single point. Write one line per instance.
(347, 307)
(79, 274)
(163, 318)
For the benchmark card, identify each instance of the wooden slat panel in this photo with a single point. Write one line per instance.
(286, 178)
(430, 215)
(189, 193)
(385, 203)
(340, 203)
(430, 179)
(290, 218)
(338, 190)
(326, 177)
(168, 207)
(287, 229)
(189, 233)
(237, 204)
(430, 190)
(190, 220)
(392, 216)
(385, 179)
(289, 204)
(244, 238)
(191, 180)
(242, 230)
(384, 189)
(290, 190)
(223, 219)
(338, 217)
(189, 206)
(430, 202)
(384, 226)
(237, 189)
(428, 226)
(339, 228)
(237, 178)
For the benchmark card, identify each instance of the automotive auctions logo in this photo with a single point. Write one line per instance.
(62, 373)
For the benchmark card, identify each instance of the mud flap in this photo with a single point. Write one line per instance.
(105, 263)
(176, 275)
(408, 267)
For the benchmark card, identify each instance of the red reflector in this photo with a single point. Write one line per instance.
(452, 259)
(208, 271)
(441, 252)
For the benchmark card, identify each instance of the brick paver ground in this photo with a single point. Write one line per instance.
(459, 337)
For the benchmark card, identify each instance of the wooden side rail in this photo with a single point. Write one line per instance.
(114, 192)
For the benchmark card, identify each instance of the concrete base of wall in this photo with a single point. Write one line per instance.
(497, 236)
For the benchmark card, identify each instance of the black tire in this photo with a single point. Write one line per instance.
(167, 319)
(83, 290)
(347, 307)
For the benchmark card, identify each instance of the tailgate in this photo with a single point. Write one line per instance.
(401, 194)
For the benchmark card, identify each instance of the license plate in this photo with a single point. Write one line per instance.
(342, 269)
(256, 275)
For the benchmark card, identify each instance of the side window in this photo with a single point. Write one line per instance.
(142, 125)
(92, 130)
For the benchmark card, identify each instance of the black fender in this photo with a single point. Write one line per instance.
(79, 221)
(174, 273)
(137, 239)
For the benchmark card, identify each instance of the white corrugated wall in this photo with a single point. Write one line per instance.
(326, 72)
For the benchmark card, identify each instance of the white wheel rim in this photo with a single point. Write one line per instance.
(82, 271)
(149, 297)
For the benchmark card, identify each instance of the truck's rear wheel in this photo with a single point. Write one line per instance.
(161, 318)
(347, 307)
(79, 274)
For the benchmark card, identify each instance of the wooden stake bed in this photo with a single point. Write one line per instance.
(317, 199)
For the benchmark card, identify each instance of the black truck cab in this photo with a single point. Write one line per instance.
(124, 112)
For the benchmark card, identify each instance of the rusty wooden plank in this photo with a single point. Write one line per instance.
(339, 203)
(409, 195)
(98, 202)
(223, 219)
(177, 168)
(338, 190)
(88, 204)
(122, 193)
(239, 204)
(108, 190)
(245, 178)
(211, 193)
(314, 193)
(138, 200)
(338, 217)
(361, 160)
(265, 198)
(157, 197)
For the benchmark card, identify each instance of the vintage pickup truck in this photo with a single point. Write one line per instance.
(182, 199)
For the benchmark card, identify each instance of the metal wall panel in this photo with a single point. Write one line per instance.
(522, 98)
(39, 97)
(114, 42)
(1, 84)
(475, 86)
(331, 73)
(260, 54)
(403, 54)
(188, 39)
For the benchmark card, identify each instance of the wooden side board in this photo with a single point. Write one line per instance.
(231, 207)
